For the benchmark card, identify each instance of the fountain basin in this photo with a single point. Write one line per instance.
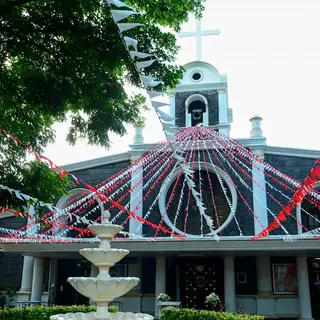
(113, 316)
(103, 289)
(104, 257)
(106, 230)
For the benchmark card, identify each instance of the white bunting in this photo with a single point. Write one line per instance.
(128, 26)
(154, 94)
(145, 64)
(152, 83)
(146, 78)
(119, 15)
(140, 55)
(118, 4)
(131, 42)
(164, 116)
(158, 104)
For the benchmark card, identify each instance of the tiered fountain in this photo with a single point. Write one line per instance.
(103, 289)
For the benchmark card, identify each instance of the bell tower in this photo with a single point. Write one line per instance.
(202, 95)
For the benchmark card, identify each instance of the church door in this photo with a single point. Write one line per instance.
(65, 293)
(199, 278)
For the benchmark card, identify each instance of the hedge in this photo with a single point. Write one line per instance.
(44, 313)
(192, 314)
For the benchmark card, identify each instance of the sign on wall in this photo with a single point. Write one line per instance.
(285, 278)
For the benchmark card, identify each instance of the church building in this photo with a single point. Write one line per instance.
(268, 277)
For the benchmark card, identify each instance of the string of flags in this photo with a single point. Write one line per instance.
(174, 175)
(146, 60)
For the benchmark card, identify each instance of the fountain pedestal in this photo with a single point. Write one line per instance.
(103, 289)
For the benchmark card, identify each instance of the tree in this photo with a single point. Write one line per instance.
(64, 58)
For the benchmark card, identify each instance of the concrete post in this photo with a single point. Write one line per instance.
(160, 280)
(229, 284)
(37, 279)
(136, 203)
(259, 194)
(303, 288)
(26, 281)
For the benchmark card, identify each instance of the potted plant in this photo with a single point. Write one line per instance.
(163, 297)
(213, 301)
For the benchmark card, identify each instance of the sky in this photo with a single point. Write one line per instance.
(270, 50)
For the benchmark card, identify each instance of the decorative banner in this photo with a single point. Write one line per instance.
(179, 161)
(131, 42)
(128, 26)
(118, 4)
(119, 15)
(308, 185)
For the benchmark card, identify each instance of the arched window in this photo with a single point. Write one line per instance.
(75, 199)
(196, 107)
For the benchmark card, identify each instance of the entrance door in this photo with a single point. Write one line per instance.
(65, 293)
(199, 278)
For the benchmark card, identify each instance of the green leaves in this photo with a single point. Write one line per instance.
(66, 57)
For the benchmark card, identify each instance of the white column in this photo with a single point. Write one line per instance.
(160, 280)
(229, 284)
(172, 108)
(136, 197)
(303, 288)
(223, 111)
(26, 281)
(259, 194)
(37, 279)
(264, 275)
(265, 301)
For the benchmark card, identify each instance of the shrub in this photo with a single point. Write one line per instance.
(44, 313)
(192, 314)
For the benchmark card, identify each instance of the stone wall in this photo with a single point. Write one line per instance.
(295, 167)
(213, 106)
(11, 264)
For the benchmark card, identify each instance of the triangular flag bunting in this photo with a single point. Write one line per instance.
(169, 127)
(118, 4)
(119, 15)
(157, 104)
(131, 42)
(128, 26)
(145, 64)
(154, 94)
(152, 83)
(146, 78)
(164, 116)
(140, 55)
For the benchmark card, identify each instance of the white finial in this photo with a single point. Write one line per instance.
(256, 131)
(105, 216)
(138, 137)
(198, 34)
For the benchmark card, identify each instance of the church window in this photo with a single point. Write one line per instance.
(196, 110)
(196, 76)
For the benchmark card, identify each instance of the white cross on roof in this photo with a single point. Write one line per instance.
(198, 34)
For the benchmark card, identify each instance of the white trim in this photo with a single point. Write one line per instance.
(226, 245)
(293, 152)
(169, 181)
(193, 73)
(97, 162)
